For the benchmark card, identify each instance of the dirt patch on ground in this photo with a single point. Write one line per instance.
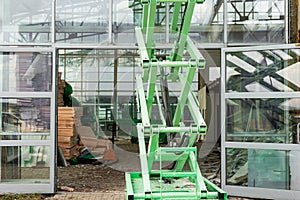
(98, 177)
(91, 178)
(93, 175)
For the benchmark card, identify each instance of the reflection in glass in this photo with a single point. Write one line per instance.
(82, 21)
(261, 168)
(25, 21)
(25, 119)
(136, 14)
(256, 21)
(25, 164)
(25, 72)
(207, 22)
(263, 71)
(263, 120)
(91, 74)
(126, 14)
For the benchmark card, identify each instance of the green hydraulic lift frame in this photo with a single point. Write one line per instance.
(155, 181)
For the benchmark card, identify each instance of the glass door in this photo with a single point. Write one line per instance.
(27, 115)
(261, 121)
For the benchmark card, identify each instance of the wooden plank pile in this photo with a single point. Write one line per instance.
(68, 119)
(73, 137)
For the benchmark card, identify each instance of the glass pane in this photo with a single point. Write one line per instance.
(263, 168)
(207, 22)
(263, 71)
(82, 21)
(256, 21)
(25, 164)
(263, 120)
(126, 14)
(25, 72)
(89, 72)
(25, 21)
(25, 119)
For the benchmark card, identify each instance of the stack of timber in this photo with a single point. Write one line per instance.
(68, 117)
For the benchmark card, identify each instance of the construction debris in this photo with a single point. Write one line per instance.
(65, 188)
(101, 148)
(211, 166)
(110, 156)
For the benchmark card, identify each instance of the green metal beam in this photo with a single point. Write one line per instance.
(168, 64)
(160, 107)
(142, 101)
(184, 31)
(222, 194)
(144, 57)
(193, 106)
(171, 1)
(176, 12)
(152, 148)
(178, 174)
(195, 53)
(194, 167)
(141, 44)
(177, 129)
(151, 88)
(129, 189)
(177, 195)
(149, 29)
(145, 17)
(143, 159)
(184, 95)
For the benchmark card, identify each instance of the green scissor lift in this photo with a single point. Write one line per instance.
(183, 180)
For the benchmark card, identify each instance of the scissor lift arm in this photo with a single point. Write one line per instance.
(179, 182)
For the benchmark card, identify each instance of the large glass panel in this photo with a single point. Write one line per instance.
(263, 120)
(82, 21)
(25, 164)
(25, 21)
(87, 72)
(207, 22)
(126, 14)
(95, 76)
(256, 21)
(263, 168)
(25, 72)
(127, 114)
(25, 119)
(91, 75)
(263, 71)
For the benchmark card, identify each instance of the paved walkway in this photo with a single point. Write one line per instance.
(102, 196)
(88, 196)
